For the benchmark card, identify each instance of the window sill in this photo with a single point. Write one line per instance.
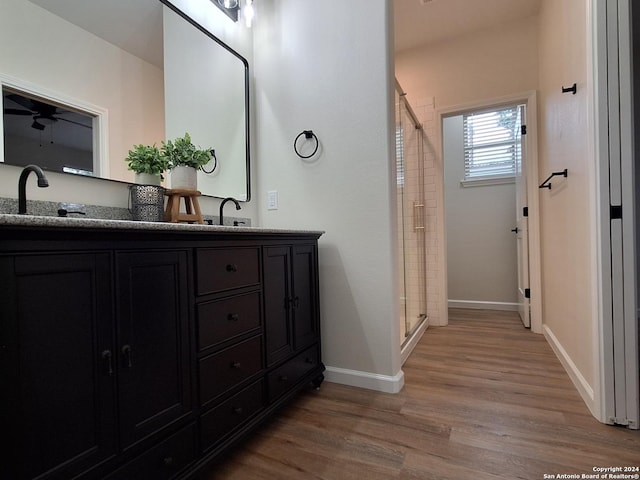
(487, 181)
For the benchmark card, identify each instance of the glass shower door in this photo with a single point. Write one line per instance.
(411, 219)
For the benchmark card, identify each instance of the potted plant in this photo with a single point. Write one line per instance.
(184, 160)
(148, 164)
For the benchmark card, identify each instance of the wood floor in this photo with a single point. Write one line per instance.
(483, 399)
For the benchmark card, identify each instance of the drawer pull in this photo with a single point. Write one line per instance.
(237, 410)
(308, 360)
(236, 365)
(232, 267)
(126, 352)
(167, 461)
(283, 378)
(233, 317)
(106, 355)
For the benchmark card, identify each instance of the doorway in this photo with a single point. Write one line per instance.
(486, 177)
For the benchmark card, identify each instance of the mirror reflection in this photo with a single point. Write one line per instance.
(55, 138)
(108, 59)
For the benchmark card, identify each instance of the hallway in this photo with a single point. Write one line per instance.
(483, 399)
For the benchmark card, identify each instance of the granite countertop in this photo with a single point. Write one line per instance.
(61, 222)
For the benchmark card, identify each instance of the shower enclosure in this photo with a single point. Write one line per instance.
(410, 155)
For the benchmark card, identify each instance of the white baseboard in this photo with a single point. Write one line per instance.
(413, 341)
(581, 384)
(371, 381)
(479, 305)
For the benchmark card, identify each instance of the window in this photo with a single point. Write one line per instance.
(492, 144)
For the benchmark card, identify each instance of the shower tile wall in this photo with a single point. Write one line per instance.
(425, 111)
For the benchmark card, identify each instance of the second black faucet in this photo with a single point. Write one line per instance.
(228, 199)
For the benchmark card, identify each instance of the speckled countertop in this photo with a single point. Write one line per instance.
(46, 221)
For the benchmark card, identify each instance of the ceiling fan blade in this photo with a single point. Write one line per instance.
(20, 100)
(74, 122)
(15, 111)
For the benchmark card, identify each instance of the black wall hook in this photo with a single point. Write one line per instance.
(308, 134)
(573, 89)
(547, 183)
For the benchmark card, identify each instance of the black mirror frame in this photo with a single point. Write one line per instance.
(246, 79)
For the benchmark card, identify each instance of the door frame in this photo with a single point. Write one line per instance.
(531, 166)
(616, 279)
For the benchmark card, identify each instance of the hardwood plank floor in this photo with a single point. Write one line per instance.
(483, 399)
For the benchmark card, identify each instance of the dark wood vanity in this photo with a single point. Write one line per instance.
(146, 354)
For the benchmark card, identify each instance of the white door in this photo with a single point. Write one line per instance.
(522, 228)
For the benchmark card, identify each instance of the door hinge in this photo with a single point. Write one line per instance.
(616, 212)
(525, 211)
(523, 129)
(527, 293)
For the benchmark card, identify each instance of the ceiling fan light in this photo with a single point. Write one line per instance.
(43, 120)
(37, 125)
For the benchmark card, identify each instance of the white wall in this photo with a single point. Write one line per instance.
(326, 67)
(481, 249)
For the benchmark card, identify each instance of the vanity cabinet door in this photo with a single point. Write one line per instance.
(153, 347)
(305, 296)
(291, 304)
(56, 370)
(277, 303)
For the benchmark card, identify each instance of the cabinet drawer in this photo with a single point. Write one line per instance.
(228, 368)
(221, 269)
(286, 376)
(164, 460)
(227, 318)
(225, 418)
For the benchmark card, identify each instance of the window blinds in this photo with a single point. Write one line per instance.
(492, 145)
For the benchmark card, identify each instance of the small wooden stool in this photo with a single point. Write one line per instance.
(172, 211)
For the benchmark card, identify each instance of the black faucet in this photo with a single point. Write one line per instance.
(22, 185)
(222, 206)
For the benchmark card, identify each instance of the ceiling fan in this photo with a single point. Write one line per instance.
(43, 114)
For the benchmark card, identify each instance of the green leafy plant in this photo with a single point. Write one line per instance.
(182, 152)
(147, 159)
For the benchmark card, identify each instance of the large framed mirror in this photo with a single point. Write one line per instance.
(125, 61)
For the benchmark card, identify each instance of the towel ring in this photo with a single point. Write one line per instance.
(308, 134)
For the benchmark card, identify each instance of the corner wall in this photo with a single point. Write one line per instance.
(320, 67)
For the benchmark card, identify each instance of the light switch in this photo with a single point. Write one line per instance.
(272, 200)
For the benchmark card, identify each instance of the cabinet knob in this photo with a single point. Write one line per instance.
(232, 267)
(237, 410)
(233, 317)
(308, 360)
(283, 378)
(236, 365)
(167, 461)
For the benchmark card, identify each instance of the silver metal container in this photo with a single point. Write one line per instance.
(147, 203)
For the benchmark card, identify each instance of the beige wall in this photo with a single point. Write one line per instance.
(567, 210)
(482, 65)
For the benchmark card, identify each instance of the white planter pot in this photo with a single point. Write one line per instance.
(184, 178)
(147, 179)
